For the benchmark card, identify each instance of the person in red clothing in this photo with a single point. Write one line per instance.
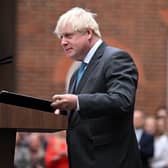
(56, 152)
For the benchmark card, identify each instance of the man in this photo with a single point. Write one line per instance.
(150, 125)
(160, 159)
(100, 105)
(145, 140)
(161, 114)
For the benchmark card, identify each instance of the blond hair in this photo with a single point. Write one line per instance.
(79, 19)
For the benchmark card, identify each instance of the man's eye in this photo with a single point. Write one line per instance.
(68, 35)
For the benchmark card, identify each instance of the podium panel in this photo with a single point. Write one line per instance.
(27, 119)
(24, 113)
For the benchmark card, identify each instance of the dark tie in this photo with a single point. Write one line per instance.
(80, 73)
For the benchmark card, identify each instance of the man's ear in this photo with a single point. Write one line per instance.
(90, 33)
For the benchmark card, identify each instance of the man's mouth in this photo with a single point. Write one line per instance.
(67, 49)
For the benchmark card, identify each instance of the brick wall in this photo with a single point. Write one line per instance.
(141, 27)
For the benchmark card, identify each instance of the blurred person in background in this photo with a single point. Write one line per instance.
(162, 114)
(22, 157)
(150, 125)
(160, 158)
(56, 152)
(44, 139)
(24, 138)
(36, 151)
(145, 140)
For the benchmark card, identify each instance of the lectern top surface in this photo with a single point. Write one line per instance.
(25, 101)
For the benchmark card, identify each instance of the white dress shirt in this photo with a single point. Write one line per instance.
(138, 133)
(160, 159)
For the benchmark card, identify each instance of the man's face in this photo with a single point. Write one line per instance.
(138, 119)
(75, 44)
(161, 126)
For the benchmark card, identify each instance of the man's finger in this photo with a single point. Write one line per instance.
(57, 97)
(57, 112)
(57, 103)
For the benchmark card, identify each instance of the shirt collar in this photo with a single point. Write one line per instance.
(92, 51)
(138, 133)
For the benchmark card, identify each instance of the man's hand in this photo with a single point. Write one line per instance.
(64, 102)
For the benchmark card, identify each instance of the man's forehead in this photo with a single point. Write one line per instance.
(67, 28)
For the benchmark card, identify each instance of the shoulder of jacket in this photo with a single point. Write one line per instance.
(112, 50)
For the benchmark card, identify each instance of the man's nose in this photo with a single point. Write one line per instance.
(64, 41)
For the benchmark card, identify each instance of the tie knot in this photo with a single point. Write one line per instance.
(83, 66)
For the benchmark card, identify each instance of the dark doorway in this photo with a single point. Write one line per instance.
(7, 44)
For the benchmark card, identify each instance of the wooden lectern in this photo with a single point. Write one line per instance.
(24, 113)
(18, 112)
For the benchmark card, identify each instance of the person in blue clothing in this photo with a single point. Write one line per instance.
(145, 140)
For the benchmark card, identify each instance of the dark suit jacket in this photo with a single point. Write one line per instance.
(101, 134)
(146, 148)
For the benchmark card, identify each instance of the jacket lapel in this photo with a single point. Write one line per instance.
(93, 63)
(71, 87)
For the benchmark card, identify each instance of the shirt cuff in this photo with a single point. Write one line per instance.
(77, 107)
